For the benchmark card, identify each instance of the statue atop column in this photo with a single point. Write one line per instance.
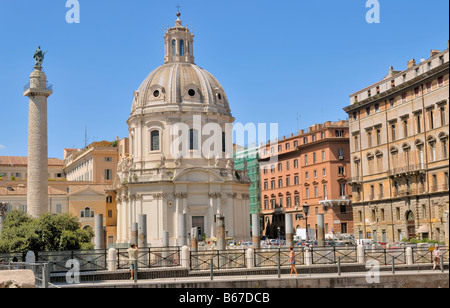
(39, 56)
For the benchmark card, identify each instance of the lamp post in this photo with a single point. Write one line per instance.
(306, 211)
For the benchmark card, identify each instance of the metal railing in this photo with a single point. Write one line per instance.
(41, 272)
(151, 257)
(220, 259)
(406, 169)
(423, 255)
(89, 260)
(47, 86)
(264, 257)
(170, 262)
(385, 256)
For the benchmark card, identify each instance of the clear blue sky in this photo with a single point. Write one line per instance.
(275, 59)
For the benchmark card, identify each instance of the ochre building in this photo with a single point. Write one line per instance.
(399, 153)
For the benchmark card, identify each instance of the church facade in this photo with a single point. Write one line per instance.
(180, 169)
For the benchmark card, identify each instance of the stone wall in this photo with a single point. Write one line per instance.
(20, 279)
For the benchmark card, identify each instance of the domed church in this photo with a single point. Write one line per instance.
(180, 169)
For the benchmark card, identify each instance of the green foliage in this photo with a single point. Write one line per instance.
(46, 233)
(425, 240)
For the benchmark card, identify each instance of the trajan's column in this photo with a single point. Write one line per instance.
(37, 180)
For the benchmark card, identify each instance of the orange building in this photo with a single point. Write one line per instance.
(312, 167)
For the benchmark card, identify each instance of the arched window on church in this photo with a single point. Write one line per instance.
(154, 140)
(174, 48)
(181, 48)
(224, 142)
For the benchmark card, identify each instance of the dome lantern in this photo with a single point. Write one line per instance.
(179, 43)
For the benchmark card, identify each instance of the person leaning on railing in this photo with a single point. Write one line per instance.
(133, 252)
(436, 257)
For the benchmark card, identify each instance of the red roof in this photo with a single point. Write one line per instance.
(23, 161)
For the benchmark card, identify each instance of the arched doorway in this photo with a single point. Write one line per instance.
(410, 225)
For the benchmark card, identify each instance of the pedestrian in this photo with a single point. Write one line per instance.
(132, 258)
(292, 261)
(436, 257)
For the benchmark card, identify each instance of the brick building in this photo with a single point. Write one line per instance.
(311, 167)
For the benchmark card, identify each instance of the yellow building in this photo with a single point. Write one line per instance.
(91, 172)
(399, 153)
(81, 184)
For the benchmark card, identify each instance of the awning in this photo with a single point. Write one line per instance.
(423, 229)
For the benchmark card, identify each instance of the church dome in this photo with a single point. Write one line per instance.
(179, 84)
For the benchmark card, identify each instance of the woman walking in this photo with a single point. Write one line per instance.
(292, 261)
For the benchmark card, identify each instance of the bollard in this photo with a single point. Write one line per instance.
(308, 256)
(185, 256)
(409, 256)
(442, 264)
(112, 259)
(360, 254)
(250, 255)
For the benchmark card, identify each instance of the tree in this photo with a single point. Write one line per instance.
(49, 232)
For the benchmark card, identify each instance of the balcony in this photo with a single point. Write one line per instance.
(357, 180)
(47, 87)
(407, 170)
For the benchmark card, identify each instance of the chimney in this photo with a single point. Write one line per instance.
(411, 63)
(434, 52)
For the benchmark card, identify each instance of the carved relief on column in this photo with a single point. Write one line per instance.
(159, 196)
(215, 195)
(182, 195)
(232, 195)
(136, 197)
(245, 196)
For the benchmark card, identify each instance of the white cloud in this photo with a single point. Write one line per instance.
(2, 147)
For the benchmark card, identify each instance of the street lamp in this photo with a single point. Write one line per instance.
(306, 211)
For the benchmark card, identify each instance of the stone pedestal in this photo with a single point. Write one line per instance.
(256, 233)
(289, 230)
(98, 235)
(320, 230)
